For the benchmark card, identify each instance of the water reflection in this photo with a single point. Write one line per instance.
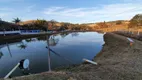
(1, 54)
(75, 34)
(63, 35)
(22, 46)
(42, 38)
(31, 40)
(65, 49)
(49, 57)
(8, 49)
(28, 40)
(53, 41)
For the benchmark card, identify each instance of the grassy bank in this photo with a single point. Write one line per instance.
(117, 61)
(134, 35)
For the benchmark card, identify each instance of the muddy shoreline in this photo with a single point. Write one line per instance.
(117, 61)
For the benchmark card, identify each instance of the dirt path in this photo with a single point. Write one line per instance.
(117, 61)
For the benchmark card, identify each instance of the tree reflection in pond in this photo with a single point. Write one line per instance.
(1, 54)
(8, 49)
(63, 35)
(28, 40)
(53, 41)
(22, 45)
(74, 34)
(41, 38)
(31, 39)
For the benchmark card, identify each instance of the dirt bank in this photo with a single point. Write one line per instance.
(117, 61)
(134, 35)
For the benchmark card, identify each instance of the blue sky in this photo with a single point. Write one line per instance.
(75, 11)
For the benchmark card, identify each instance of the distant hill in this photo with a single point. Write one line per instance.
(31, 24)
(136, 21)
(119, 24)
(27, 22)
(33, 21)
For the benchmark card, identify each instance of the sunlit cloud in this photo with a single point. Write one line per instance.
(111, 12)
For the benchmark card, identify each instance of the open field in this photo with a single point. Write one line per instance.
(117, 61)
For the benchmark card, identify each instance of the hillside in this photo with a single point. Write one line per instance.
(134, 24)
(34, 21)
(27, 22)
(136, 21)
(110, 26)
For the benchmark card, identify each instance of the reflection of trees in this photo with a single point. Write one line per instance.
(53, 41)
(41, 38)
(30, 40)
(75, 34)
(63, 35)
(1, 54)
(9, 49)
(22, 46)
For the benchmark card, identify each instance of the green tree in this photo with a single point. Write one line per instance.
(16, 20)
(51, 24)
(41, 24)
(118, 22)
(2, 28)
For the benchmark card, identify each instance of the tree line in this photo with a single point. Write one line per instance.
(41, 24)
(44, 25)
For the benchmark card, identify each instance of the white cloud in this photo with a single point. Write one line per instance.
(4, 11)
(30, 8)
(108, 12)
(9, 13)
(131, 0)
(3, 15)
(63, 11)
(105, 12)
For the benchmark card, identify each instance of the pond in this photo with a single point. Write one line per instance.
(70, 49)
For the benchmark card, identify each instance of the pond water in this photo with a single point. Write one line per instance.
(71, 48)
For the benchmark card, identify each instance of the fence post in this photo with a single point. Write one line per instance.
(49, 61)
(138, 32)
(4, 32)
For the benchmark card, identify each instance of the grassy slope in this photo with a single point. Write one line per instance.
(112, 26)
